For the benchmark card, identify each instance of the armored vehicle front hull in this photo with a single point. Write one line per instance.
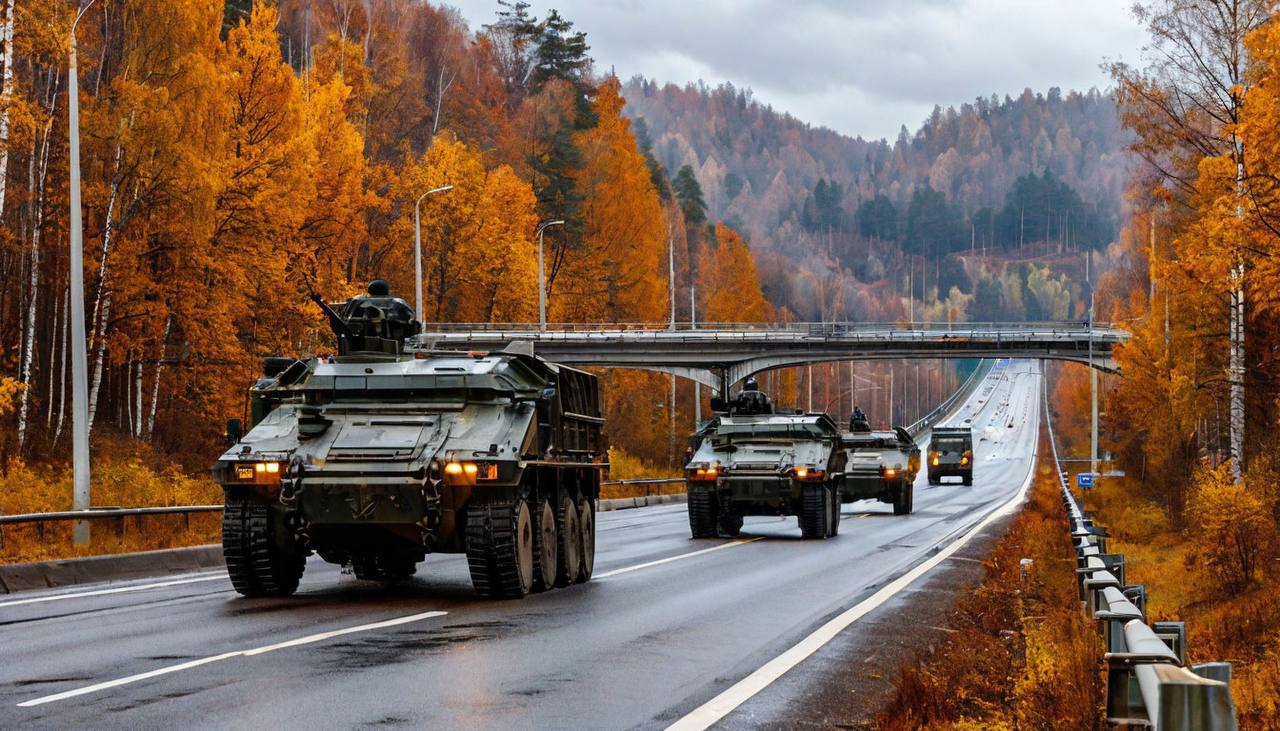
(375, 462)
(766, 464)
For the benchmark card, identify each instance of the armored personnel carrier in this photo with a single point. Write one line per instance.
(951, 454)
(387, 452)
(751, 460)
(881, 465)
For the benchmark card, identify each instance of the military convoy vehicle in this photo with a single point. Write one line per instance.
(950, 454)
(390, 451)
(751, 460)
(881, 465)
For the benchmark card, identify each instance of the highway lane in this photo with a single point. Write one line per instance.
(639, 648)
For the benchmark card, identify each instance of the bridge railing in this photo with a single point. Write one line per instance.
(1149, 682)
(943, 409)
(814, 328)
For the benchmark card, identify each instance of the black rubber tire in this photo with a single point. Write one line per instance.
(383, 567)
(902, 503)
(500, 548)
(587, 528)
(729, 523)
(935, 480)
(835, 512)
(968, 480)
(545, 546)
(815, 511)
(568, 539)
(702, 514)
(257, 565)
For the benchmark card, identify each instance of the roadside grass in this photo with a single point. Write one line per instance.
(1241, 627)
(124, 476)
(1020, 653)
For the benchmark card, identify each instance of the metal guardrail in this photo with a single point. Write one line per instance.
(1148, 680)
(103, 513)
(944, 408)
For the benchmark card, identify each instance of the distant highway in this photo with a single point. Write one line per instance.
(671, 630)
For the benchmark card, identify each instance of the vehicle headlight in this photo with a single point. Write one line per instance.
(262, 473)
(808, 473)
(706, 473)
(468, 473)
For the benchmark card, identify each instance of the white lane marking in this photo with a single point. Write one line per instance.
(669, 559)
(118, 590)
(709, 713)
(228, 655)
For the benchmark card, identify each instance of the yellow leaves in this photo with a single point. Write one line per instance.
(9, 390)
(478, 251)
(1232, 529)
(728, 283)
(619, 271)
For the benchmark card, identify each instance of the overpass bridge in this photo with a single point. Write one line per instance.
(721, 354)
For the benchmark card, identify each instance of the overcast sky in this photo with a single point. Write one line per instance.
(863, 67)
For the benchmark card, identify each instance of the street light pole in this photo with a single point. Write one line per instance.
(542, 277)
(79, 360)
(417, 246)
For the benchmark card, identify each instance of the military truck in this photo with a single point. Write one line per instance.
(950, 454)
(881, 465)
(390, 451)
(751, 460)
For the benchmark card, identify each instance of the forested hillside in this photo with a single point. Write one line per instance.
(237, 158)
(1014, 177)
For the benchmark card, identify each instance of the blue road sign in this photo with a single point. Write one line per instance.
(1085, 480)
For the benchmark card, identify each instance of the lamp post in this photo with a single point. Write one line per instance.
(542, 280)
(417, 246)
(79, 360)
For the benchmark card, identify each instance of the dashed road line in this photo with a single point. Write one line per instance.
(669, 559)
(309, 639)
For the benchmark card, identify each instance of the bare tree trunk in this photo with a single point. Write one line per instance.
(62, 369)
(137, 401)
(53, 356)
(155, 384)
(1237, 334)
(28, 349)
(127, 387)
(102, 302)
(6, 95)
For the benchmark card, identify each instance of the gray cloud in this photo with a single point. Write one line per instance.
(862, 67)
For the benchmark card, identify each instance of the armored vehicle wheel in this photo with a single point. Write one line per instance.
(569, 542)
(702, 514)
(500, 548)
(835, 513)
(545, 548)
(587, 527)
(903, 504)
(730, 523)
(815, 511)
(256, 562)
(384, 567)
(968, 480)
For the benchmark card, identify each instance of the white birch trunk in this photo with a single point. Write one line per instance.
(1236, 418)
(102, 302)
(28, 349)
(6, 95)
(53, 356)
(62, 368)
(155, 384)
(137, 401)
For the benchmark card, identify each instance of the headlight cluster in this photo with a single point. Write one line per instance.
(809, 474)
(707, 473)
(263, 473)
(967, 457)
(468, 473)
(892, 471)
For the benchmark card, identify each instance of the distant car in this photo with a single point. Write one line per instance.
(951, 454)
(881, 465)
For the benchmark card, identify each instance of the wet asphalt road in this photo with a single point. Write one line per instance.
(668, 623)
